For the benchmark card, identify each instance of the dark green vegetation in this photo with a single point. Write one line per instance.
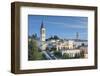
(34, 53)
(58, 54)
(55, 37)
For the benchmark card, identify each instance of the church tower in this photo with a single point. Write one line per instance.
(43, 36)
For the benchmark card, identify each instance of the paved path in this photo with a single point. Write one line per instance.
(51, 55)
(47, 56)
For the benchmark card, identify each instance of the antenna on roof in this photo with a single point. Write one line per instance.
(77, 36)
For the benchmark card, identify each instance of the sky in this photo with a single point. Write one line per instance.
(64, 27)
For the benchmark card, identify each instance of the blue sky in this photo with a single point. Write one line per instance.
(62, 26)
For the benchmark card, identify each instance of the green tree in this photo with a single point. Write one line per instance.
(58, 54)
(65, 56)
(47, 48)
(77, 55)
(50, 38)
(53, 37)
(82, 54)
(53, 49)
(34, 53)
(82, 44)
(30, 52)
(56, 37)
(34, 36)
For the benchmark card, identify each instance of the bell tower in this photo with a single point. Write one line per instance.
(43, 36)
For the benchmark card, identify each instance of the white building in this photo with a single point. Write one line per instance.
(65, 45)
(60, 44)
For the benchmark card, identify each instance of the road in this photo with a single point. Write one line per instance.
(49, 55)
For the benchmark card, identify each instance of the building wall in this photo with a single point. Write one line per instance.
(43, 34)
(71, 44)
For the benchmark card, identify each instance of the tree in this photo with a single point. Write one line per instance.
(77, 55)
(34, 36)
(65, 56)
(33, 52)
(82, 44)
(47, 48)
(30, 52)
(50, 38)
(82, 54)
(56, 37)
(53, 49)
(29, 36)
(58, 54)
(53, 37)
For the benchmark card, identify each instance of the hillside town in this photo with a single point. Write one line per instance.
(55, 47)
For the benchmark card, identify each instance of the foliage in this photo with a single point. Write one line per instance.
(34, 36)
(77, 55)
(30, 52)
(82, 44)
(47, 48)
(58, 54)
(53, 49)
(33, 51)
(82, 54)
(55, 37)
(65, 56)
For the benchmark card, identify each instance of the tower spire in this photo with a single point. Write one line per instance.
(42, 25)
